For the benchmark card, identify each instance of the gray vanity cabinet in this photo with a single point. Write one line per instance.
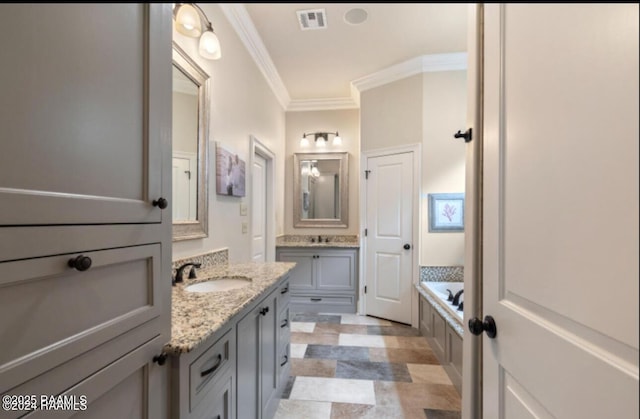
(324, 279)
(257, 360)
(85, 255)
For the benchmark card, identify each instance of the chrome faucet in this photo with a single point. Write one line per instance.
(180, 270)
(456, 298)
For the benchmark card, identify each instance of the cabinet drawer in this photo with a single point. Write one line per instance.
(107, 375)
(284, 323)
(213, 363)
(220, 400)
(284, 294)
(64, 312)
(323, 303)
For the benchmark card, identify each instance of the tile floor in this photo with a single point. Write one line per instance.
(349, 366)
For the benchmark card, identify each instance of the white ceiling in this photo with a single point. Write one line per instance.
(323, 66)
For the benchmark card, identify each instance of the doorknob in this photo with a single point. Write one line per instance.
(407, 246)
(477, 326)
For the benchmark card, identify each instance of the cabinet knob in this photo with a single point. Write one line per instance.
(80, 263)
(264, 311)
(407, 246)
(160, 359)
(160, 203)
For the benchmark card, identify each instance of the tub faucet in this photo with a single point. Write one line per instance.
(180, 270)
(456, 298)
(319, 239)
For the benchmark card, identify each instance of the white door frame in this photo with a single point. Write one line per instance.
(270, 229)
(416, 149)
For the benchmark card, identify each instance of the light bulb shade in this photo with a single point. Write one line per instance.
(321, 141)
(315, 172)
(337, 140)
(210, 46)
(188, 21)
(304, 142)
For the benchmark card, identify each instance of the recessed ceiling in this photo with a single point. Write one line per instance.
(321, 64)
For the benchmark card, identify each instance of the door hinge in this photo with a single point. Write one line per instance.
(365, 289)
(366, 174)
(366, 231)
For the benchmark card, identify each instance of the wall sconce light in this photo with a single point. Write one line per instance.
(189, 20)
(321, 139)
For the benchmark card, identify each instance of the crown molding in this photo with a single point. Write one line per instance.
(241, 22)
(301, 105)
(423, 64)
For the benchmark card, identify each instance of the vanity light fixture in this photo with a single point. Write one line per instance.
(321, 139)
(189, 20)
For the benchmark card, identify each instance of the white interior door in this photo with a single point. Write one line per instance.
(184, 177)
(560, 255)
(259, 209)
(389, 214)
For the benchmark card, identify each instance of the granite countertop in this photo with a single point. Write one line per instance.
(196, 316)
(306, 242)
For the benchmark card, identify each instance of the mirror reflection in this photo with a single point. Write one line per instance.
(320, 187)
(185, 147)
(190, 147)
(321, 195)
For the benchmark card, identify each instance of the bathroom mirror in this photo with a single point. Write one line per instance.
(321, 190)
(190, 147)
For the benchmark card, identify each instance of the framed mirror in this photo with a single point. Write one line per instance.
(321, 190)
(190, 148)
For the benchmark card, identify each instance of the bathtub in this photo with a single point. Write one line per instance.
(438, 290)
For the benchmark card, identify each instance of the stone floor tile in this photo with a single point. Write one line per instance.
(358, 329)
(316, 318)
(366, 320)
(365, 370)
(343, 353)
(393, 330)
(402, 355)
(314, 338)
(296, 409)
(333, 390)
(432, 374)
(311, 367)
(428, 396)
(363, 411)
(297, 350)
(368, 341)
(306, 327)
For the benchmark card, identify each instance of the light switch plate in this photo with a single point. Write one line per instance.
(245, 227)
(243, 208)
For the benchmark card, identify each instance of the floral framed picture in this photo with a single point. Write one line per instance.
(446, 212)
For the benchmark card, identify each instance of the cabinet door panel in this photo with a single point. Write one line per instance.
(248, 345)
(116, 294)
(269, 327)
(84, 118)
(336, 271)
(303, 275)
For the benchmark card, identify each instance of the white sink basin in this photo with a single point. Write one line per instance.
(219, 284)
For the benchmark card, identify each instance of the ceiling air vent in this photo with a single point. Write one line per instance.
(312, 19)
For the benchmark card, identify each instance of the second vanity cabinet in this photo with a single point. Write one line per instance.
(324, 279)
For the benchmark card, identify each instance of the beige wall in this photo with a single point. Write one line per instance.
(427, 109)
(443, 160)
(392, 114)
(242, 104)
(346, 122)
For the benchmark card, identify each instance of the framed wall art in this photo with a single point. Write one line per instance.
(446, 212)
(230, 173)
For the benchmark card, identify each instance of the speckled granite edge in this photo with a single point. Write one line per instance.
(305, 241)
(207, 260)
(455, 323)
(442, 273)
(197, 316)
